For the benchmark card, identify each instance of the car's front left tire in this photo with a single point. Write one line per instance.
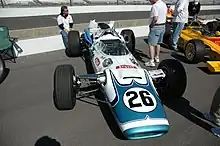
(64, 89)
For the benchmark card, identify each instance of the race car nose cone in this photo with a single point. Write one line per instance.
(146, 132)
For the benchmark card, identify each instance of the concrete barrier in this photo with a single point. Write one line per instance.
(53, 43)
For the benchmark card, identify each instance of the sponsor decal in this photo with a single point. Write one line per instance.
(125, 66)
(97, 61)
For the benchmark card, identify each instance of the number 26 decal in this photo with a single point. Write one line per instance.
(139, 100)
(145, 99)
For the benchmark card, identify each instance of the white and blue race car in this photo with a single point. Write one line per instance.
(133, 93)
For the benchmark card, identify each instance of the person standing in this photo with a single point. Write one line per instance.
(180, 18)
(65, 24)
(214, 113)
(157, 30)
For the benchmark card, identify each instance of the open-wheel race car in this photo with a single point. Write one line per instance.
(133, 94)
(199, 40)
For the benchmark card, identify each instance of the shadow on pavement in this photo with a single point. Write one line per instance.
(180, 58)
(109, 118)
(139, 55)
(182, 106)
(47, 141)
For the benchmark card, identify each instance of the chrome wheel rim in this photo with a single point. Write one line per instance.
(190, 51)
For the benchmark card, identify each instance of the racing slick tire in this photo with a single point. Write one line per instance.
(173, 85)
(64, 89)
(129, 39)
(195, 51)
(2, 69)
(74, 45)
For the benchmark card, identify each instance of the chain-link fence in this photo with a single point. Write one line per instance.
(45, 3)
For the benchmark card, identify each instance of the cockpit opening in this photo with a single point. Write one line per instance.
(113, 47)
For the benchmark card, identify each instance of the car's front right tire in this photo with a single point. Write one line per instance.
(175, 82)
(64, 94)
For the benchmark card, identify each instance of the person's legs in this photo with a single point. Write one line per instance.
(160, 40)
(177, 28)
(152, 42)
(215, 107)
(157, 54)
(65, 38)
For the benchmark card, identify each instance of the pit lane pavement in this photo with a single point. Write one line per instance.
(28, 116)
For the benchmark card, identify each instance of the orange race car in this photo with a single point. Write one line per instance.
(200, 42)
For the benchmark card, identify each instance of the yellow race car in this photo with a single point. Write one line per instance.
(198, 41)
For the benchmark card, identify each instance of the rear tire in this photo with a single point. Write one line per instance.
(195, 51)
(129, 39)
(74, 46)
(175, 81)
(64, 90)
(2, 69)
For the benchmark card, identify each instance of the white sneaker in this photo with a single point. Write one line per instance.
(157, 60)
(150, 63)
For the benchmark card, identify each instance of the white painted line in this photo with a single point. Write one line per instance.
(53, 43)
(42, 11)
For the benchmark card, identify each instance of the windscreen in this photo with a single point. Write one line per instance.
(113, 47)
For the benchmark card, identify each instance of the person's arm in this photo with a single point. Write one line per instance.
(71, 22)
(154, 16)
(181, 5)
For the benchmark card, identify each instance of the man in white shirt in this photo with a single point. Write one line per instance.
(180, 19)
(157, 30)
(65, 24)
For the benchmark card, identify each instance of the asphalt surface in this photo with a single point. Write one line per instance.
(45, 21)
(29, 118)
